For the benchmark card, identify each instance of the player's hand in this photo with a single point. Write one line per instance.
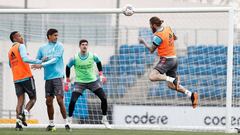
(36, 66)
(141, 40)
(44, 59)
(67, 84)
(103, 79)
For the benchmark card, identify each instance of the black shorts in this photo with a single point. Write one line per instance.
(92, 86)
(168, 66)
(27, 86)
(54, 87)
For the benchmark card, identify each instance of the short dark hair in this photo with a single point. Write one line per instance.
(12, 34)
(156, 20)
(82, 41)
(51, 31)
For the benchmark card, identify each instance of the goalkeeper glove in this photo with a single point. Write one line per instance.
(67, 84)
(103, 79)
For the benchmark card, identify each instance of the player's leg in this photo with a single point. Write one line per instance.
(19, 116)
(77, 91)
(30, 89)
(158, 73)
(193, 95)
(62, 106)
(73, 100)
(49, 94)
(102, 96)
(20, 102)
(59, 93)
(98, 91)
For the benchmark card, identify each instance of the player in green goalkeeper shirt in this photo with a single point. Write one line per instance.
(86, 78)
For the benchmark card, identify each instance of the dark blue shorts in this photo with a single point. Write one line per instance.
(27, 86)
(167, 66)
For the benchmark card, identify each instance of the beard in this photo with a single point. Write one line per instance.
(54, 41)
(154, 30)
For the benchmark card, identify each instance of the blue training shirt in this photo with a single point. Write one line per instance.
(54, 66)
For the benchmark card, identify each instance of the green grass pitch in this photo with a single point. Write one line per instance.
(41, 131)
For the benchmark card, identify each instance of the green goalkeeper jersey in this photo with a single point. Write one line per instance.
(84, 68)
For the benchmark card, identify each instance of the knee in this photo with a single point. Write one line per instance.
(151, 77)
(49, 103)
(73, 100)
(33, 100)
(104, 99)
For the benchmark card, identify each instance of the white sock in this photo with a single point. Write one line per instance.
(18, 120)
(68, 120)
(51, 122)
(104, 117)
(170, 79)
(188, 93)
(25, 111)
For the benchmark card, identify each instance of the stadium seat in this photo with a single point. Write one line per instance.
(182, 59)
(138, 49)
(114, 59)
(191, 50)
(124, 59)
(207, 49)
(126, 80)
(81, 106)
(139, 59)
(107, 69)
(139, 70)
(149, 59)
(236, 49)
(120, 91)
(124, 49)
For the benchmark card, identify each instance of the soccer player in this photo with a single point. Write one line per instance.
(166, 69)
(53, 74)
(22, 76)
(86, 78)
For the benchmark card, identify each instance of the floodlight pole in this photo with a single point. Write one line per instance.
(25, 22)
(117, 28)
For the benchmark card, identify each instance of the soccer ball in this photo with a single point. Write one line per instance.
(128, 10)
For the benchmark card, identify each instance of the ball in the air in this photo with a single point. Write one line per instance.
(128, 10)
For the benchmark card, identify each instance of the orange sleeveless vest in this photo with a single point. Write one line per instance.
(166, 48)
(20, 69)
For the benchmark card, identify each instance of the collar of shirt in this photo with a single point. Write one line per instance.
(52, 43)
(160, 28)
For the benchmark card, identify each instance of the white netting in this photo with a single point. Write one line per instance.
(202, 56)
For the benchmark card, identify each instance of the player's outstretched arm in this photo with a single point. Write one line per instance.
(151, 48)
(25, 57)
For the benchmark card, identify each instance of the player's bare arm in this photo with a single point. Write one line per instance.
(151, 48)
